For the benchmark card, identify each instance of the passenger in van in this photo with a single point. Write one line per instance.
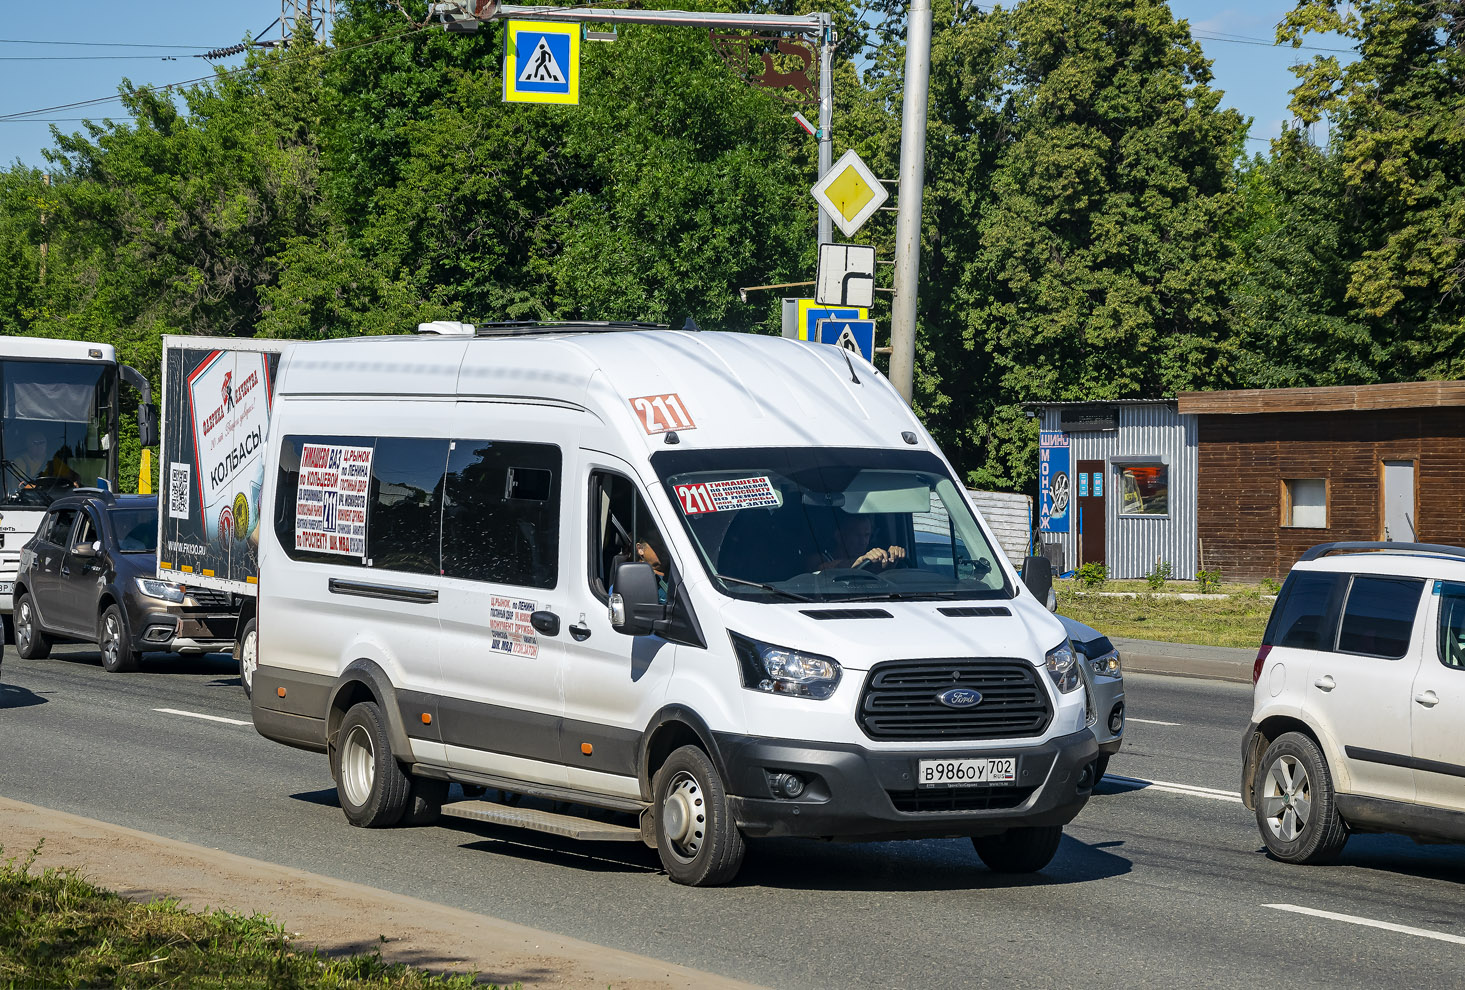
(852, 537)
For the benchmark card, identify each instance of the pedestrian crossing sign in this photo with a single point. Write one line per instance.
(542, 62)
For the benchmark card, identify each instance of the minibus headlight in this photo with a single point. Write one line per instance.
(779, 670)
(1063, 667)
(166, 590)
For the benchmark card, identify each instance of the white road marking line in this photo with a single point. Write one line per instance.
(1150, 721)
(211, 718)
(1191, 790)
(1353, 919)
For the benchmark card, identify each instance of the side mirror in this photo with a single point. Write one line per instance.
(1037, 575)
(634, 605)
(86, 549)
(147, 424)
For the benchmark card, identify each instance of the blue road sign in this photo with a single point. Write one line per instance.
(542, 63)
(852, 335)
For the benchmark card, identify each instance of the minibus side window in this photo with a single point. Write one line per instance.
(287, 499)
(622, 528)
(501, 513)
(402, 523)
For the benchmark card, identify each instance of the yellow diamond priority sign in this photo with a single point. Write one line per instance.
(849, 193)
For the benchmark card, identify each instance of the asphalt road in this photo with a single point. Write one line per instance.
(1158, 884)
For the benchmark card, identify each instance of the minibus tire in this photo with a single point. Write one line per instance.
(1019, 850)
(370, 783)
(696, 837)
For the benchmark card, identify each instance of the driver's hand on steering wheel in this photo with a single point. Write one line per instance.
(883, 558)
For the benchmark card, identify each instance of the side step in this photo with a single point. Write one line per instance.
(542, 821)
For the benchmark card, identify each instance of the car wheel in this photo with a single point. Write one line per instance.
(698, 841)
(118, 656)
(1019, 850)
(369, 781)
(1101, 767)
(30, 642)
(1295, 807)
(247, 653)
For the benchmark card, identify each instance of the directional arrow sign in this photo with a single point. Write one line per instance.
(849, 193)
(846, 275)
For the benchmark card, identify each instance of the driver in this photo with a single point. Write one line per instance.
(853, 532)
(33, 461)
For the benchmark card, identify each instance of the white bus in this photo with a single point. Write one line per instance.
(58, 431)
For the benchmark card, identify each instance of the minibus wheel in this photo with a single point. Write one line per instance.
(1019, 850)
(247, 653)
(369, 782)
(696, 837)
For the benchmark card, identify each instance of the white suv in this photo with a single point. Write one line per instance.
(1358, 722)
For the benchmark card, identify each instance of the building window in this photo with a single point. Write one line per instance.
(1144, 489)
(1305, 502)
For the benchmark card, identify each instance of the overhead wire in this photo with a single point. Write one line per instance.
(326, 53)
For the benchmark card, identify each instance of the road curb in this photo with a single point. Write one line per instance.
(335, 916)
(1218, 663)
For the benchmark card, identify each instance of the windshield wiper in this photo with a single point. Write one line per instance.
(906, 596)
(791, 596)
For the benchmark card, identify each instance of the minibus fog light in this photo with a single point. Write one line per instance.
(779, 670)
(1062, 666)
(789, 785)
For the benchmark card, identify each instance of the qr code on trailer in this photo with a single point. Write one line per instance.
(179, 477)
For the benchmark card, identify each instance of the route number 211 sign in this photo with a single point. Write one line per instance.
(662, 413)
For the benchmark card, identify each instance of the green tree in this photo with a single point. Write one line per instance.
(1395, 129)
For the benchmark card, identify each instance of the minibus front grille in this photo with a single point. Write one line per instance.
(902, 699)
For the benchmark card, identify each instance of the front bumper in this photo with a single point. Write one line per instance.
(855, 793)
(164, 631)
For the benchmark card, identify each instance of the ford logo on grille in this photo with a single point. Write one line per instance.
(960, 698)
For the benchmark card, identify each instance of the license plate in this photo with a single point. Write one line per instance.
(964, 773)
(7, 587)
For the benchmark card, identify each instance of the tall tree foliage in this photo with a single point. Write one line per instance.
(1397, 134)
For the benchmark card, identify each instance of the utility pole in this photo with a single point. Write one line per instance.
(912, 185)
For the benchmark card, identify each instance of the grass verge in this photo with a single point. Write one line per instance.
(58, 930)
(1238, 620)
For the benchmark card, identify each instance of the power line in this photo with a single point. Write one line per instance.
(26, 114)
(1270, 44)
(95, 44)
(83, 58)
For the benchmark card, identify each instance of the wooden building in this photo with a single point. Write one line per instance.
(1281, 470)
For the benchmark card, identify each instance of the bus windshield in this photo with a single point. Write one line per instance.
(831, 524)
(58, 428)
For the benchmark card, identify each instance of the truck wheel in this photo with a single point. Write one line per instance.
(1295, 809)
(246, 651)
(698, 841)
(30, 642)
(369, 781)
(118, 656)
(1019, 850)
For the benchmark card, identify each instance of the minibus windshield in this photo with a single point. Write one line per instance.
(831, 524)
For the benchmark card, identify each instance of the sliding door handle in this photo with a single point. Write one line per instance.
(389, 592)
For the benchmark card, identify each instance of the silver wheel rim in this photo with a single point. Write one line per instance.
(1287, 798)
(249, 660)
(111, 639)
(358, 766)
(684, 816)
(23, 629)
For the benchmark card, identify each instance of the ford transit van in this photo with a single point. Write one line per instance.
(725, 585)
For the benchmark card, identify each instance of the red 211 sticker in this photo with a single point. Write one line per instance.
(662, 413)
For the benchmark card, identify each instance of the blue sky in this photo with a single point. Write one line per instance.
(1254, 76)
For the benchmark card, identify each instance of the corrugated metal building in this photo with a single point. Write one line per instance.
(1117, 484)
